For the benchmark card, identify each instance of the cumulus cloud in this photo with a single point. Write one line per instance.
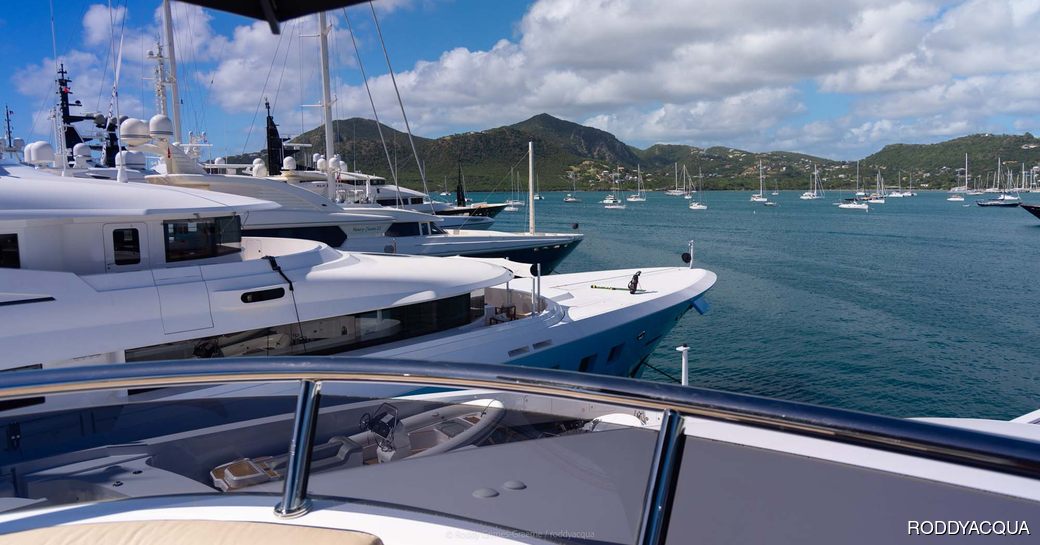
(745, 73)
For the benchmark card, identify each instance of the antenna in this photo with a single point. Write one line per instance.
(7, 126)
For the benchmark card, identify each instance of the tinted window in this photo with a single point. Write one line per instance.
(9, 252)
(329, 234)
(417, 200)
(202, 238)
(403, 230)
(387, 202)
(126, 244)
(320, 337)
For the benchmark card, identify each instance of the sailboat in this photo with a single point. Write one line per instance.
(957, 197)
(695, 205)
(513, 204)
(761, 195)
(776, 188)
(859, 191)
(814, 188)
(639, 195)
(878, 197)
(537, 192)
(1005, 199)
(574, 188)
(677, 192)
(611, 201)
(687, 186)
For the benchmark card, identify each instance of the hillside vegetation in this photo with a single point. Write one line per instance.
(594, 159)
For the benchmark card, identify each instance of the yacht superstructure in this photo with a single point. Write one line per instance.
(102, 271)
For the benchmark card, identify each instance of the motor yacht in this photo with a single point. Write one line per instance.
(103, 271)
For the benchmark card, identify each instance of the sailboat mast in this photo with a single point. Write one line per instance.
(530, 187)
(172, 55)
(326, 104)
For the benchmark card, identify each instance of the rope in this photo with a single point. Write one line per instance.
(665, 374)
(411, 141)
(263, 91)
(364, 77)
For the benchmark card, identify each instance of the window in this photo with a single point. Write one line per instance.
(416, 200)
(436, 230)
(9, 252)
(583, 366)
(387, 202)
(403, 230)
(320, 337)
(329, 234)
(126, 245)
(615, 352)
(202, 238)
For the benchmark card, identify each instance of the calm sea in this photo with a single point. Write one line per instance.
(919, 307)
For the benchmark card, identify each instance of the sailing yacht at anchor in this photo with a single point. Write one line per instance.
(761, 195)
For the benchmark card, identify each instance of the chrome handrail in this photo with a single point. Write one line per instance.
(957, 445)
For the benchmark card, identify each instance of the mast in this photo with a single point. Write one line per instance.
(326, 103)
(530, 187)
(966, 177)
(7, 127)
(275, 149)
(168, 26)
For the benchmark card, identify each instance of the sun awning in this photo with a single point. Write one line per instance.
(273, 11)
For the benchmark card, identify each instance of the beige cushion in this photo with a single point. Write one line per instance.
(178, 532)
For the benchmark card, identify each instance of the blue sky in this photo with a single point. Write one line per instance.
(837, 78)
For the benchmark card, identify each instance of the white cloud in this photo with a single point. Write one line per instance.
(835, 77)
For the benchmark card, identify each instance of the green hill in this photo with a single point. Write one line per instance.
(564, 149)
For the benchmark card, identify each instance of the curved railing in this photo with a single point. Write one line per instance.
(961, 446)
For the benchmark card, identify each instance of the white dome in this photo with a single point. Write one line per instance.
(81, 150)
(258, 161)
(44, 153)
(260, 170)
(289, 163)
(160, 125)
(335, 163)
(134, 131)
(131, 159)
(315, 157)
(322, 164)
(220, 161)
(29, 151)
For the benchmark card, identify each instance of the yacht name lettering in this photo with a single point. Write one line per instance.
(967, 527)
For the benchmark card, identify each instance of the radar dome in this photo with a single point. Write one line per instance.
(160, 125)
(220, 161)
(134, 132)
(81, 150)
(44, 153)
(315, 157)
(133, 159)
(322, 164)
(29, 152)
(289, 163)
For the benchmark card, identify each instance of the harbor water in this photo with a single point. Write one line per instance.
(918, 307)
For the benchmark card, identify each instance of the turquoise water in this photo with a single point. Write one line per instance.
(919, 307)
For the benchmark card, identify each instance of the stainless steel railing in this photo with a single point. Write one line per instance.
(965, 447)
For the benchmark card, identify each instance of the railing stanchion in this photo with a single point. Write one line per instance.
(294, 494)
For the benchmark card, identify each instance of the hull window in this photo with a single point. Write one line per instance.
(9, 258)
